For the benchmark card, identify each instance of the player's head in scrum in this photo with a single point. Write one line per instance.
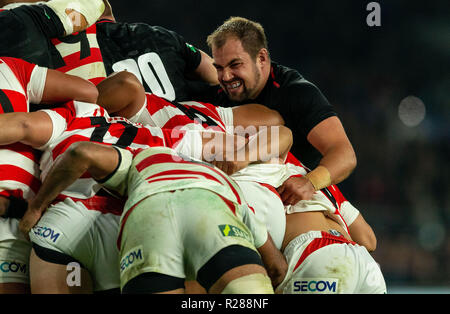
(240, 52)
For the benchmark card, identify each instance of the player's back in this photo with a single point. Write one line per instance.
(160, 58)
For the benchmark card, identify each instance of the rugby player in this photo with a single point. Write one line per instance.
(21, 84)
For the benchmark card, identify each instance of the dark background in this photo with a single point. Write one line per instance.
(401, 183)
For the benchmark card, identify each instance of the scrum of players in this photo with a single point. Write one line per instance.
(114, 178)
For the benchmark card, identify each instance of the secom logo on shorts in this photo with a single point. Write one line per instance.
(13, 267)
(132, 258)
(316, 285)
(46, 233)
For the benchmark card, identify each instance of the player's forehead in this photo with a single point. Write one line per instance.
(231, 50)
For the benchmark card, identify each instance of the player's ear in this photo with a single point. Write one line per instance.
(263, 56)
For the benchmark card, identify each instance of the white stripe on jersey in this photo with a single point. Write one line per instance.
(10, 157)
(8, 80)
(89, 71)
(66, 49)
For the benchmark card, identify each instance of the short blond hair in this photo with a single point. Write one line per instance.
(250, 33)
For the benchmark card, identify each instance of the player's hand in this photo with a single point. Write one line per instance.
(29, 220)
(296, 189)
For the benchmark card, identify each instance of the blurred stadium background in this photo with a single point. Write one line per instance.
(390, 86)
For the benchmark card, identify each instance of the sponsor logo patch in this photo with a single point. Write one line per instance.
(13, 267)
(233, 231)
(46, 233)
(133, 257)
(322, 285)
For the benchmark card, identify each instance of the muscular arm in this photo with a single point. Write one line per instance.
(205, 70)
(97, 159)
(30, 128)
(330, 139)
(274, 261)
(232, 153)
(255, 115)
(61, 87)
(121, 94)
(363, 234)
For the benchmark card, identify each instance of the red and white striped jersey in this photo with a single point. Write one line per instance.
(80, 55)
(142, 173)
(79, 121)
(160, 112)
(21, 82)
(19, 171)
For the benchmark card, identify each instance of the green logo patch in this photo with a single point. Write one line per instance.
(233, 231)
(191, 47)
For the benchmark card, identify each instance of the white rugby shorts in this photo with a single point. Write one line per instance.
(320, 262)
(14, 253)
(176, 233)
(88, 236)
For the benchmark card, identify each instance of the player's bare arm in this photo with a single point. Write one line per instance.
(339, 158)
(61, 87)
(206, 70)
(232, 152)
(363, 234)
(254, 115)
(30, 128)
(96, 159)
(121, 94)
(274, 261)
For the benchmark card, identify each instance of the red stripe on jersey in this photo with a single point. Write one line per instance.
(103, 204)
(124, 220)
(230, 204)
(290, 159)
(74, 60)
(14, 173)
(182, 172)
(17, 100)
(318, 243)
(65, 144)
(271, 189)
(163, 158)
(21, 69)
(12, 193)
(24, 150)
(158, 159)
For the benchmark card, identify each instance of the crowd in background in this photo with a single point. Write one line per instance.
(401, 183)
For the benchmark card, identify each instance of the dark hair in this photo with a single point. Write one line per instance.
(250, 33)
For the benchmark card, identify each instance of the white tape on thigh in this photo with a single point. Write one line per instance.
(253, 284)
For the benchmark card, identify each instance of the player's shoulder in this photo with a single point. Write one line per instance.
(288, 77)
(293, 84)
(134, 29)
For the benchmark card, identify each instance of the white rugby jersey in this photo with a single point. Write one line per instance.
(142, 173)
(21, 83)
(78, 121)
(330, 200)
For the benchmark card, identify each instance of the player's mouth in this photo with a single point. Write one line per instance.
(233, 86)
